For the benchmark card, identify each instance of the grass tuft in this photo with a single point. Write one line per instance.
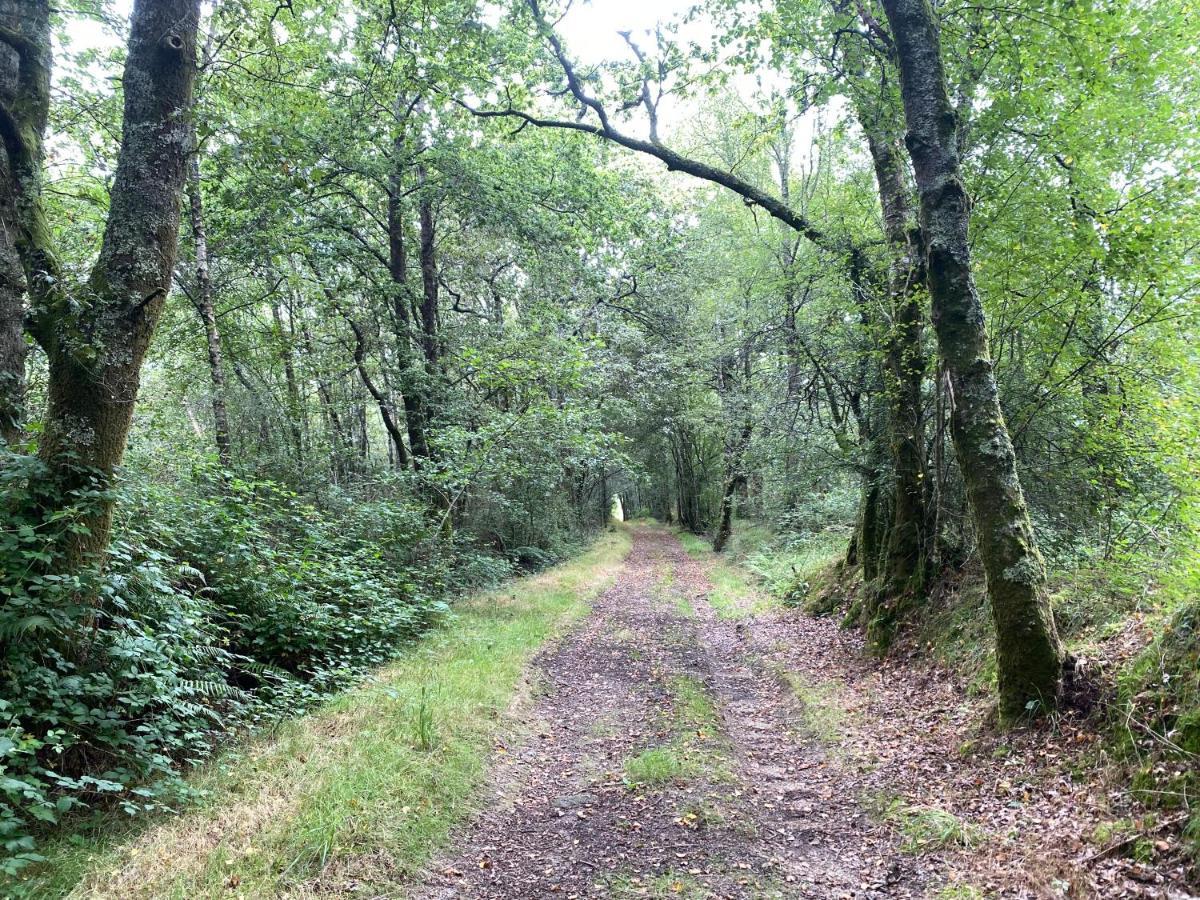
(654, 767)
(928, 828)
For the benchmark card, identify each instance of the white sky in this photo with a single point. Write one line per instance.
(590, 29)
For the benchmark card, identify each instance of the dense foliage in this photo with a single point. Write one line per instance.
(435, 302)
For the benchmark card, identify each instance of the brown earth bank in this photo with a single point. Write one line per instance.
(675, 751)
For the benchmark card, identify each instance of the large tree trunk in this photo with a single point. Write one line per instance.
(207, 310)
(25, 60)
(1029, 655)
(95, 348)
(872, 523)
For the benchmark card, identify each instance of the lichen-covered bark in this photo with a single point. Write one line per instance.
(95, 345)
(872, 524)
(906, 553)
(1028, 652)
(905, 560)
(25, 59)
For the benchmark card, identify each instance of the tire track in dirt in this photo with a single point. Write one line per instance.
(748, 807)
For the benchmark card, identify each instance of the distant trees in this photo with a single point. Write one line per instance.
(885, 409)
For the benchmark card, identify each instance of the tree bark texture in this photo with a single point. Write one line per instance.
(1028, 652)
(905, 554)
(25, 62)
(96, 345)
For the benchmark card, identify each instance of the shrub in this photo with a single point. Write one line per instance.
(222, 605)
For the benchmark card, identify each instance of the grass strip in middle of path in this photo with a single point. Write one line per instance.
(735, 593)
(361, 794)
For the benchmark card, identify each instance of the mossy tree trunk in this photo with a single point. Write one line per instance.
(905, 561)
(96, 340)
(904, 553)
(1029, 654)
(25, 61)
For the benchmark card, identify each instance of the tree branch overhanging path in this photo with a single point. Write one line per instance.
(674, 161)
(1031, 659)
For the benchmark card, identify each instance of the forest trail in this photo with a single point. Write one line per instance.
(666, 757)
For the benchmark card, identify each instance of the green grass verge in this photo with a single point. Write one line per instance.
(699, 750)
(655, 767)
(926, 828)
(761, 569)
(673, 885)
(362, 791)
(823, 708)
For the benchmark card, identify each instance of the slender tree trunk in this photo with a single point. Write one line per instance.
(385, 409)
(781, 149)
(395, 432)
(430, 314)
(342, 446)
(286, 356)
(95, 349)
(1029, 655)
(206, 309)
(906, 565)
(735, 479)
(735, 448)
(414, 409)
(25, 62)
(429, 280)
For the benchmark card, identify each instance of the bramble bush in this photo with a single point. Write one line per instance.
(223, 605)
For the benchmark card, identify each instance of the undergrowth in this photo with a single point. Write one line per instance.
(364, 789)
(224, 605)
(783, 567)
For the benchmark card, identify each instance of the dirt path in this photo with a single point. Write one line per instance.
(667, 757)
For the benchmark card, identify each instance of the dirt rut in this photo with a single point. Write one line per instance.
(663, 758)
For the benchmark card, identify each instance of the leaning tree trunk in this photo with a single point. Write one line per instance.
(1029, 655)
(25, 60)
(95, 348)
